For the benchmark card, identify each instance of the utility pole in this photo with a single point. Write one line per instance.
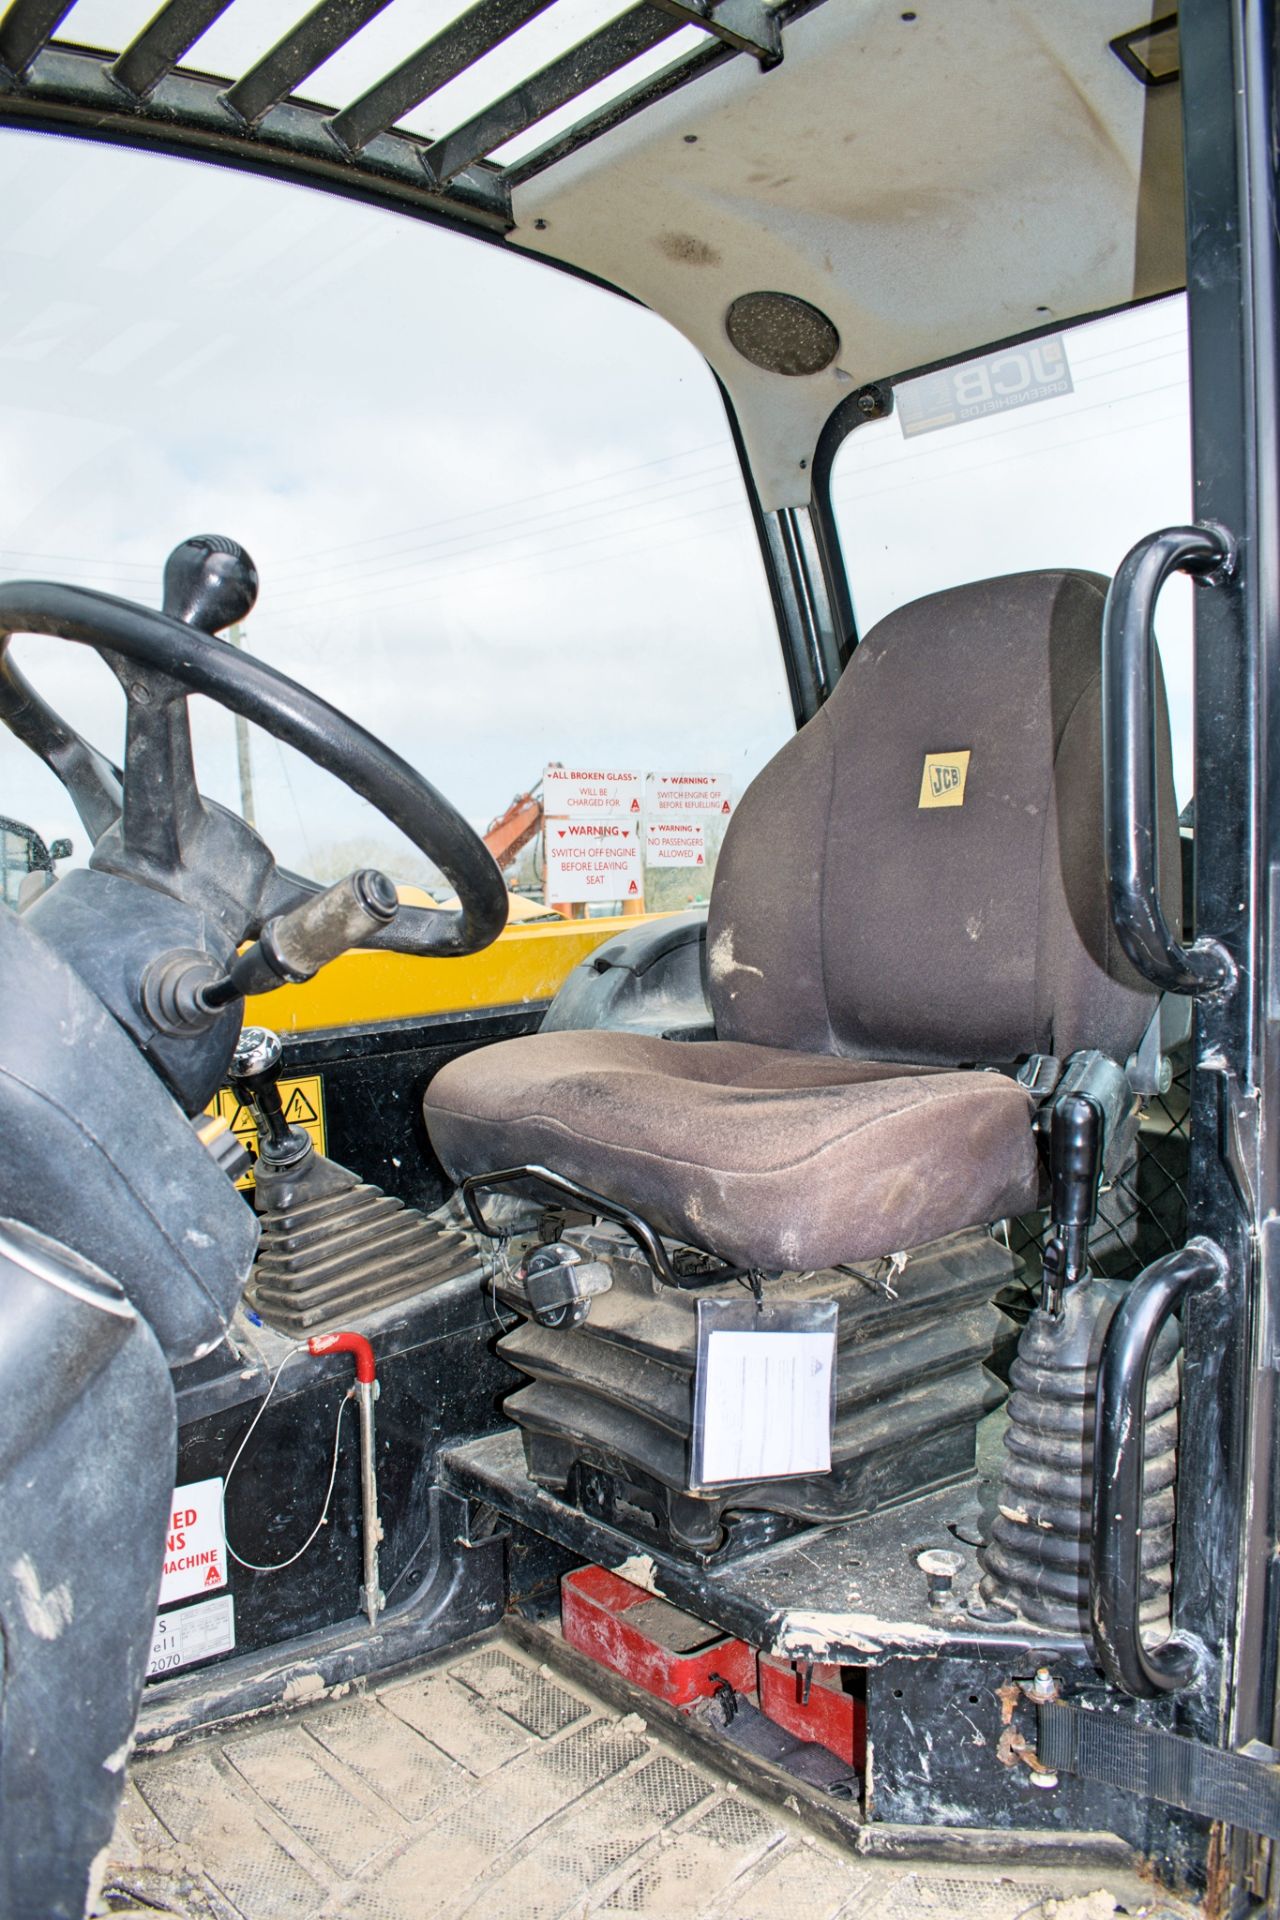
(235, 635)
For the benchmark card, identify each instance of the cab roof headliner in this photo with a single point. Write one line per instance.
(932, 179)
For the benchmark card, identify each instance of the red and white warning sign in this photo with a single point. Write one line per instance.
(593, 860)
(687, 794)
(574, 793)
(195, 1553)
(675, 843)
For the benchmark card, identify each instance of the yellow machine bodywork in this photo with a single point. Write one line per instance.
(366, 988)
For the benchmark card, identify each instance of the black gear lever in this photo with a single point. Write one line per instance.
(209, 582)
(255, 1073)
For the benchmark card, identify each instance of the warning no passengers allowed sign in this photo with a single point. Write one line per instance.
(592, 860)
(675, 843)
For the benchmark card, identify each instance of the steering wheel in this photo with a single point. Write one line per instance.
(150, 823)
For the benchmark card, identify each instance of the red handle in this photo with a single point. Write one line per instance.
(347, 1343)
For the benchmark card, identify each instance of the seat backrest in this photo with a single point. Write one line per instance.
(918, 874)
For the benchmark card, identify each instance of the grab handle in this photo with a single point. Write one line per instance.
(1115, 1555)
(1129, 762)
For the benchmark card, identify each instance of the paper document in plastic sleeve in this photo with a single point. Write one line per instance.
(764, 1394)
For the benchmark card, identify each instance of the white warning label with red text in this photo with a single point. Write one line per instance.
(592, 860)
(675, 843)
(195, 1554)
(688, 793)
(574, 793)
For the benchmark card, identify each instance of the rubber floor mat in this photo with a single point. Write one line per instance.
(487, 1786)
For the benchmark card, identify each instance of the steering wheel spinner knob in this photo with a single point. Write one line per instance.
(209, 582)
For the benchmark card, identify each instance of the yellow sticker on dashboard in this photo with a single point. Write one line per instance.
(303, 1107)
(942, 783)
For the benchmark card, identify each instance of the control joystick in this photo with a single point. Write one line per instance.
(255, 1074)
(1075, 1164)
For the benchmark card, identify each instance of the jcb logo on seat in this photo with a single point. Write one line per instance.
(942, 783)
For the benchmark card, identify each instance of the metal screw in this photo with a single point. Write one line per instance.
(867, 403)
(540, 226)
(940, 1569)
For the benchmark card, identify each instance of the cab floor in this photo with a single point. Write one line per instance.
(486, 1785)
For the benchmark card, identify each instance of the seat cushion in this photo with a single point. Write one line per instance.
(770, 1158)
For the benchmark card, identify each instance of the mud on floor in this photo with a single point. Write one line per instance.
(487, 1786)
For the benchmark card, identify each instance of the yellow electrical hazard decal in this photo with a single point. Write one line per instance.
(942, 783)
(303, 1107)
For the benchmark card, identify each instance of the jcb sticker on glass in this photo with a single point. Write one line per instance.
(1014, 377)
(303, 1107)
(942, 783)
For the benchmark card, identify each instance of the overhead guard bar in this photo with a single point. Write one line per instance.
(1129, 761)
(552, 87)
(305, 47)
(455, 48)
(163, 41)
(26, 27)
(1115, 1558)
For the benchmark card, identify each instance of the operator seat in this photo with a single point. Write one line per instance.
(910, 900)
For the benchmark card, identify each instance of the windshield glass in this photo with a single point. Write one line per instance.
(496, 511)
(1060, 453)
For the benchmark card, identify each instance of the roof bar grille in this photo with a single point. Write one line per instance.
(593, 60)
(162, 43)
(747, 26)
(621, 108)
(143, 95)
(457, 47)
(26, 28)
(306, 47)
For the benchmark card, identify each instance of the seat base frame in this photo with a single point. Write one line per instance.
(606, 1416)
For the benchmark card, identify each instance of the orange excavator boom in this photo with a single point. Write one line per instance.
(508, 835)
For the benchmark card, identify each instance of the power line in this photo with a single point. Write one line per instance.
(117, 569)
(505, 537)
(502, 506)
(528, 561)
(295, 618)
(847, 495)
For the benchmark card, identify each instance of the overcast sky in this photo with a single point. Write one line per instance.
(495, 511)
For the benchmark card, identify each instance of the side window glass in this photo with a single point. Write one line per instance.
(971, 477)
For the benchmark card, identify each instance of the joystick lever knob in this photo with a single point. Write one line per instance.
(255, 1073)
(209, 582)
(1075, 1164)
